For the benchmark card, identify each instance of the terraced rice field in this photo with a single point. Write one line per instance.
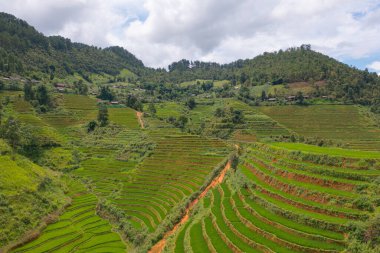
(284, 205)
(342, 123)
(125, 117)
(339, 152)
(177, 168)
(257, 125)
(76, 110)
(148, 191)
(78, 229)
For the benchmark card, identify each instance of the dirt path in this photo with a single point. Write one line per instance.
(139, 118)
(159, 246)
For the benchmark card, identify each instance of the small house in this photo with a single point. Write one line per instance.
(60, 85)
(114, 102)
(272, 99)
(291, 98)
(100, 101)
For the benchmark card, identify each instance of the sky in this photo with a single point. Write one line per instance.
(162, 31)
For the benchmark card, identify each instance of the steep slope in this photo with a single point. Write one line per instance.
(25, 49)
(28, 193)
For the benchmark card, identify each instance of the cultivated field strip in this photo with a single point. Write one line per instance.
(285, 205)
(342, 123)
(234, 222)
(176, 169)
(78, 229)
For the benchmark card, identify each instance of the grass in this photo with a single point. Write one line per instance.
(262, 211)
(197, 242)
(125, 117)
(179, 245)
(341, 123)
(331, 151)
(212, 234)
(78, 228)
(242, 228)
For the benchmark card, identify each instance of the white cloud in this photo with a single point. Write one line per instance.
(375, 66)
(162, 31)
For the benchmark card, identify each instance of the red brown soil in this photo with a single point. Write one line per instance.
(159, 246)
(139, 118)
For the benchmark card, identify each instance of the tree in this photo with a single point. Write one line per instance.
(28, 92)
(42, 95)
(103, 116)
(1, 112)
(1, 85)
(11, 132)
(80, 87)
(243, 78)
(237, 116)
(105, 93)
(244, 92)
(190, 103)
(91, 126)
(152, 108)
(299, 98)
(206, 86)
(219, 112)
(133, 102)
(263, 96)
(182, 121)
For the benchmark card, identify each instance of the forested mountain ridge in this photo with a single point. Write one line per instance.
(25, 51)
(292, 65)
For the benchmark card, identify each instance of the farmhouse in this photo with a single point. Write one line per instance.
(291, 98)
(100, 101)
(60, 85)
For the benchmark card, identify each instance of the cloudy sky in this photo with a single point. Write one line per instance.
(162, 31)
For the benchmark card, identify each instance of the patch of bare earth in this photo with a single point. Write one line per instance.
(139, 118)
(159, 246)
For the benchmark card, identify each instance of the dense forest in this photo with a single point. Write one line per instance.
(27, 52)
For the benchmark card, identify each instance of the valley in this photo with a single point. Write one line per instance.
(99, 153)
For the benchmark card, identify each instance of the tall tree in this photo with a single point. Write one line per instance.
(11, 132)
(105, 93)
(263, 96)
(28, 91)
(152, 108)
(42, 95)
(190, 103)
(103, 116)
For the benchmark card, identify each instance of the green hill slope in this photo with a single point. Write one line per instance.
(28, 193)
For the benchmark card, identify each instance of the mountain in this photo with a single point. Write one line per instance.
(24, 50)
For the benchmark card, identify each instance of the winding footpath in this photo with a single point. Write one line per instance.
(160, 245)
(139, 118)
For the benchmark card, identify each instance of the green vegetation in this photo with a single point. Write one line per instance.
(329, 150)
(344, 124)
(83, 169)
(260, 206)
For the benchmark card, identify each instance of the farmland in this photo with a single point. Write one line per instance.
(101, 153)
(281, 196)
(342, 123)
(274, 203)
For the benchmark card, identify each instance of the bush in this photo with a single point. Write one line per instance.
(364, 203)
